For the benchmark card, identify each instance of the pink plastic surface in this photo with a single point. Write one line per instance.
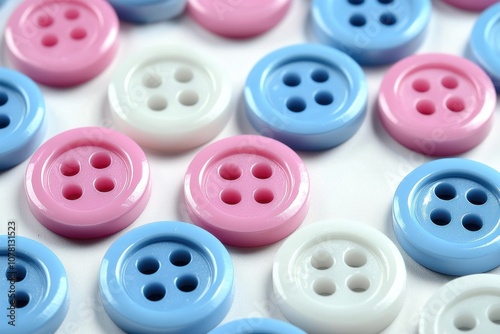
(238, 18)
(437, 104)
(247, 190)
(62, 43)
(476, 5)
(88, 183)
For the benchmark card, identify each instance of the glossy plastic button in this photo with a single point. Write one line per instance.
(147, 11)
(484, 48)
(62, 43)
(437, 104)
(34, 286)
(22, 118)
(167, 277)
(373, 32)
(339, 277)
(477, 5)
(310, 97)
(247, 190)
(469, 304)
(257, 326)
(170, 98)
(238, 18)
(446, 216)
(87, 183)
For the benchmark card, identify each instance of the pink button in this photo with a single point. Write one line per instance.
(477, 5)
(88, 183)
(238, 18)
(62, 43)
(247, 190)
(437, 104)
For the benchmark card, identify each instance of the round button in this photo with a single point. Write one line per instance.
(310, 97)
(62, 43)
(34, 286)
(257, 326)
(373, 32)
(167, 277)
(238, 18)
(170, 99)
(446, 216)
(22, 118)
(87, 183)
(247, 190)
(484, 48)
(466, 304)
(476, 5)
(437, 104)
(339, 277)
(147, 11)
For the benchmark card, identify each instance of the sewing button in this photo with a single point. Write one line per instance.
(147, 11)
(257, 326)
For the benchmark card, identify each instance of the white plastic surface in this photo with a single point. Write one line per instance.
(339, 277)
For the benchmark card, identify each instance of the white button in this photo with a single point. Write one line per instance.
(469, 304)
(170, 98)
(339, 277)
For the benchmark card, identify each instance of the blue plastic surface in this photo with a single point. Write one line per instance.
(373, 32)
(257, 326)
(34, 280)
(308, 96)
(147, 11)
(446, 216)
(484, 44)
(167, 277)
(22, 118)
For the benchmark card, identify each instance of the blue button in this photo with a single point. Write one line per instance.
(257, 326)
(446, 216)
(147, 11)
(167, 277)
(33, 285)
(308, 96)
(373, 32)
(22, 118)
(484, 45)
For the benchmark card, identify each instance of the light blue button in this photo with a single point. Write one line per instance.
(484, 44)
(447, 216)
(33, 285)
(373, 32)
(257, 326)
(147, 11)
(308, 96)
(22, 118)
(167, 277)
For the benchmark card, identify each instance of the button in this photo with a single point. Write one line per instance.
(62, 43)
(22, 118)
(476, 5)
(437, 104)
(87, 183)
(247, 190)
(34, 286)
(465, 304)
(339, 277)
(310, 97)
(373, 32)
(238, 18)
(446, 216)
(170, 98)
(483, 50)
(147, 11)
(257, 326)
(167, 277)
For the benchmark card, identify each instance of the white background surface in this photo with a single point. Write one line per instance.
(354, 181)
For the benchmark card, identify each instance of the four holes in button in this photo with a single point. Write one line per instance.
(4, 121)
(187, 283)
(180, 258)
(148, 265)
(154, 292)
(17, 274)
(20, 300)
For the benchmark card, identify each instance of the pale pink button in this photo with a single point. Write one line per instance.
(88, 183)
(477, 5)
(247, 190)
(238, 18)
(62, 43)
(437, 104)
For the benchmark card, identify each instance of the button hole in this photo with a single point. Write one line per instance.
(445, 191)
(49, 40)
(72, 14)
(477, 196)
(263, 196)
(440, 217)
(230, 171)
(322, 259)
(4, 121)
(421, 85)
(388, 19)
(148, 265)
(180, 258)
(357, 20)
(183, 75)
(291, 79)
(78, 33)
(70, 168)
(262, 171)
(104, 184)
(100, 160)
(72, 192)
(472, 222)
(154, 292)
(4, 98)
(355, 258)
(323, 98)
(16, 274)
(358, 283)
(188, 98)
(324, 287)
(296, 104)
(465, 322)
(157, 103)
(20, 299)
(230, 196)
(187, 283)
